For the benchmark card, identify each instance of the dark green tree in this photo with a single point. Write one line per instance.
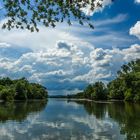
(97, 91)
(100, 91)
(116, 89)
(127, 84)
(7, 94)
(88, 91)
(21, 89)
(6, 81)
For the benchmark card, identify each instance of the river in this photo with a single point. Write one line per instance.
(59, 119)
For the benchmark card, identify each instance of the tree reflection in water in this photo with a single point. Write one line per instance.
(76, 119)
(126, 114)
(18, 111)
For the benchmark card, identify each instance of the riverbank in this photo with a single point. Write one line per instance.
(84, 99)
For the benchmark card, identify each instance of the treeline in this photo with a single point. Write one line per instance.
(126, 86)
(21, 89)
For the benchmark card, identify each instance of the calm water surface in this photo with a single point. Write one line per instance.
(69, 120)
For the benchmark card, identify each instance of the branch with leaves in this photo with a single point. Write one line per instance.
(29, 14)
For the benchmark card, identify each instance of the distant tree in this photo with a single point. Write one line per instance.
(100, 91)
(21, 89)
(97, 91)
(38, 91)
(29, 13)
(116, 89)
(21, 92)
(88, 91)
(7, 94)
(5, 81)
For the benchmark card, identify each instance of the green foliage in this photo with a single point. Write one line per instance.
(96, 91)
(137, 97)
(126, 86)
(128, 95)
(27, 14)
(37, 91)
(116, 88)
(6, 81)
(21, 89)
(99, 91)
(88, 91)
(7, 93)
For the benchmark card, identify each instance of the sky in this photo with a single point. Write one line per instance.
(71, 57)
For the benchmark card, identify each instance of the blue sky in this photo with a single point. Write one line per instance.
(68, 58)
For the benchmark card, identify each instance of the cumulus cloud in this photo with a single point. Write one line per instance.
(62, 59)
(105, 63)
(135, 30)
(55, 64)
(68, 66)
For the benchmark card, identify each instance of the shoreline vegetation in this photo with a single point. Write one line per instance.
(21, 89)
(125, 87)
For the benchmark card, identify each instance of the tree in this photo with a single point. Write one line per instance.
(97, 91)
(5, 81)
(116, 89)
(21, 91)
(29, 13)
(88, 91)
(127, 84)
(37, 91)
(100, 91)
(7, 94)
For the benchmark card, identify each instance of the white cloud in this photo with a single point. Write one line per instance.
(137, 1)
(105, 63)
(132, 53)
(135, 30)
(48, 37)
(4, 45)
(114, 20)
(64, 59)
(68, 65)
